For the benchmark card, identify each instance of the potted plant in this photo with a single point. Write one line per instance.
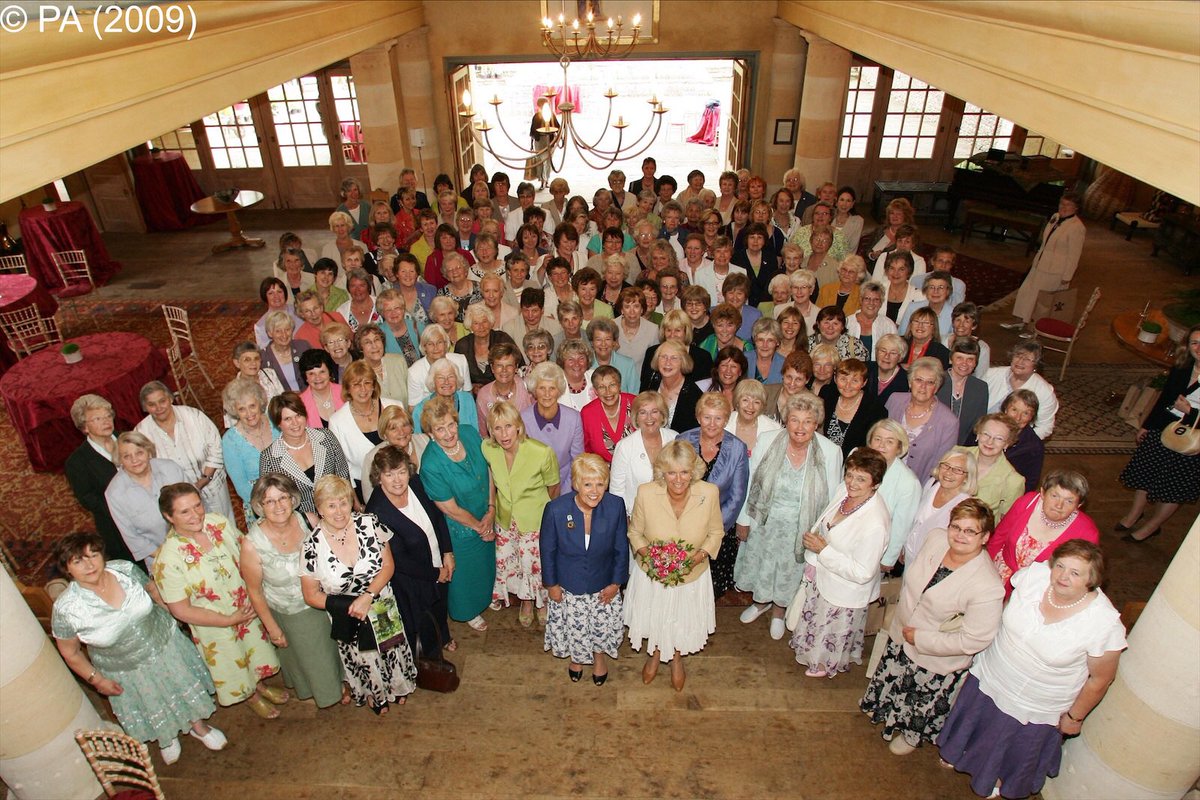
(1182, 314)
(49, 203)
(71, 353)
(1149, 332)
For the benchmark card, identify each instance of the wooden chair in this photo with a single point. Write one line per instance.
(13, 265)
(117, 758)
(1058, 331)
(27, 331)
(77, 279)
(181, 335)
(183, 388)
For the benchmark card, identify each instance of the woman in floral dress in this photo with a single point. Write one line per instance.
(346, 556)
(197, 573)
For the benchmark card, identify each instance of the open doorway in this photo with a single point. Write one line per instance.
(686, 87)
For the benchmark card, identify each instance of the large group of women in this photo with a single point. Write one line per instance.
(609, 415)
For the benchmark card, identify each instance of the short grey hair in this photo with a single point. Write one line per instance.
(477, 311)
(239, 389)
(437, 368)
(546, 371)
(85, 403)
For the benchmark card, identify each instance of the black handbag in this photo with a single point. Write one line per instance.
(435, 674)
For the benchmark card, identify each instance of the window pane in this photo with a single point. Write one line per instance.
(237, 158)
(858, 148)
(925, 148)
(929, 125)
(891, 125)
(870, 77)
(288, 156)
(862, 125)
(906, 148)
(866, 101)
(887, 148)
(969, 125)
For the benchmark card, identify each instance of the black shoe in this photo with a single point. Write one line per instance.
(575, 674)
(599, 679)
(1122, 528)
(1129, 537)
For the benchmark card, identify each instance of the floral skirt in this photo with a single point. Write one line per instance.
(669, 618)
(518, 566)
(908, 699)
(380, 676)
(581, 626)
(828, 637)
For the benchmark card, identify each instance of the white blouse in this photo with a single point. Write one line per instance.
(419, 517)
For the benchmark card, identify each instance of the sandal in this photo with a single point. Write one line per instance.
(815, 672)
(525, 617)
(542, 613)
(478, 623)
(275, 695)
(451, 646)
(377, 710)
(345, 695)
(262, 708)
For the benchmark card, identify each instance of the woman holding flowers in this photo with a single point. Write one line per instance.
(675, 529)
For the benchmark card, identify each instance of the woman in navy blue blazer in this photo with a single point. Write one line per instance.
(585, 561)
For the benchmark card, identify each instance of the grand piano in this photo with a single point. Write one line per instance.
(1015, 183)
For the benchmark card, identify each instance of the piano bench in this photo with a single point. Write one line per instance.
(1024, 227)
(1134, 220)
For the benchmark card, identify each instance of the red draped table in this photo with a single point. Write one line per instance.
(166, 190)
(70, 227)
(17, 292)
(38, 392)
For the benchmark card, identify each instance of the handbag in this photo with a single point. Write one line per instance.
(1182, 437)
(435, 674)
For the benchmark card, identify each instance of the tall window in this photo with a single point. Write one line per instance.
(856, 125)
(911, 124)
(1038, 145)
(232, 139)
(980, 132)
(296, 113)
(345, 102)
(180, 140)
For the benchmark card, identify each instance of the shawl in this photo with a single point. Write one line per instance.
(762, 488)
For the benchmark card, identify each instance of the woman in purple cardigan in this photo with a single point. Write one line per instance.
(1041, 521)
(932, 428)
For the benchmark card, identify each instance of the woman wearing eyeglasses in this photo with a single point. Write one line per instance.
(953, 480)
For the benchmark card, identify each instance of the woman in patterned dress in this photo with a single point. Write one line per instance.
(346, 556)
(197, 573)
(949, 610)
(525, 473)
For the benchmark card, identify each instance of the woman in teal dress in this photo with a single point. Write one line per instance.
(271, 567)
(136, 655)
(457, 479)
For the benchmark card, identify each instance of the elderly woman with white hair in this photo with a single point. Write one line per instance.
(459, 286)
(804, 289)
(793, 473)
(846, 293)
(282, 355)
(246, 403)
(1022, 373)
(954, 479)
(355, 206)
(476, 346)
(868, 324)
(748, 422)
(396, 429)
(91, 467)
(549, 420)
(435, 344)
(188, 437)
(900, 489)
(132, 496)
(932, 428)
(341, 225)
(443, 381)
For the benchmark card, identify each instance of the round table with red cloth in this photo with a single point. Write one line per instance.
(38, 391)
(70, 227)
(17, 292)
(166, 189)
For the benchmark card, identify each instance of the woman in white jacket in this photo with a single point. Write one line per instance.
(841, 569)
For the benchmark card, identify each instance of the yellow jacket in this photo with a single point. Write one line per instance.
(700, 525)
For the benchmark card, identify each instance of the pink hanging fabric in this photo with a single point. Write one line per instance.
(710, 123)
(572, 94)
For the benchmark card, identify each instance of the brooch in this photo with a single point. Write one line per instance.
(570, 522)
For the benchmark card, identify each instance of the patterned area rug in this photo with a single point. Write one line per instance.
(1089, 398)
(39, 506)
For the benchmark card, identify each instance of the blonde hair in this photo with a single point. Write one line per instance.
(588, 465)
(506, 412)
(331, 487)
(676, 455)
(647, 398)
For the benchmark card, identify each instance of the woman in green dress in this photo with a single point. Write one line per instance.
(196, 570)
(271, 568)
(526, 475)
(136, 656)
(457, 479)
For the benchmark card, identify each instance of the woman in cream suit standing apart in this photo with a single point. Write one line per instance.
(1055, 262)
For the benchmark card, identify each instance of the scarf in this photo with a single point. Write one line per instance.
(815, 493)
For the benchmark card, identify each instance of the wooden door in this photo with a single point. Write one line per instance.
(111, 196)
(736, 128)
(466, 145)
(865, 104)
(231, 152)
(299, 133)
(350, 148)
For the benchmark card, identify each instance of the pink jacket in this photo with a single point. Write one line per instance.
(1013, 525)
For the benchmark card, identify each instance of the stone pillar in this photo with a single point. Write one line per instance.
(1143, 740)
(41, 707)
(785, 77)
(819, 130)
(415, 80)
(378, 109)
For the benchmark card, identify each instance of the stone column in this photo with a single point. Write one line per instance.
(785, 77)
(41, 707)
(378, 109)
(1143, 740)
(415, 79)
(819, 130)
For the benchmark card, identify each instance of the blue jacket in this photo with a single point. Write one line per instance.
(565, 561)
(730, 474)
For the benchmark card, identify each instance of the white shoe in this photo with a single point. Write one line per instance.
(777, 628)
(213, 740)
(170, 753)
(900, 746)
(1012, 326)
(753, 612)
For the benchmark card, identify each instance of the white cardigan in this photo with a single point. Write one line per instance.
(881, 326)
(355, 444)
(848, 568)
(999, 388)
(631, 466)
(418, 391)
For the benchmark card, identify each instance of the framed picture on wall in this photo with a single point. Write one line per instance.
(604, 10)
(785, 131)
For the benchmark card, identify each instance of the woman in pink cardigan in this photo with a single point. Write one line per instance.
(1039, 522)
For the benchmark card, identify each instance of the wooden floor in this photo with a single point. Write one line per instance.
(748, 724)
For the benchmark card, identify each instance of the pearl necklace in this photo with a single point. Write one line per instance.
(908, 412)
(842, 505)
(1050, 600)
(1054, 526)
(455, 451)
(289, 446)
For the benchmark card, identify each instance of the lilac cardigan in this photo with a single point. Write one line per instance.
(939, 435)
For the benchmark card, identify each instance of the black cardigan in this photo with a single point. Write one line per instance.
(869, 412)
(1160, 416)
(89, 474)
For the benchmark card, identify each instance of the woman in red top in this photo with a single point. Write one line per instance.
(1041, 521)
(606, 420)
(446, 239)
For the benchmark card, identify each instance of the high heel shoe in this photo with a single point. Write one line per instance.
(650, 670)
(1129, 537)
(678, 676)
(575, 674)
(599, 679)
(1121, 527)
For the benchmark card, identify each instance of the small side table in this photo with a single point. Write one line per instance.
(1134, 220)
(243, 199)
